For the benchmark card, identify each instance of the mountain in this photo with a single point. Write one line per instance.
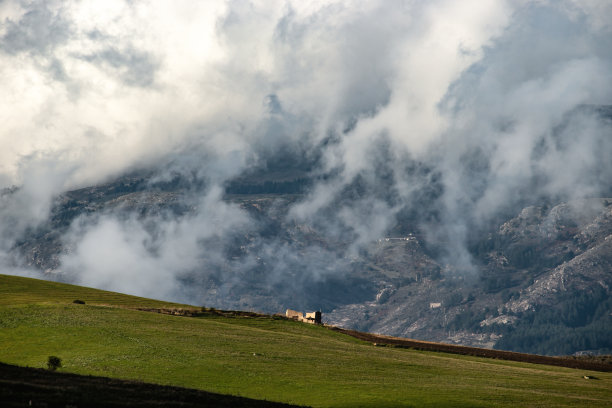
(532, 273)
(541, 283)
(543, 286)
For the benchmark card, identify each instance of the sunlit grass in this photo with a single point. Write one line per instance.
(265, 358)
(20, 291)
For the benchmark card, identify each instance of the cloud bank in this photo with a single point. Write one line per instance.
(452, 112)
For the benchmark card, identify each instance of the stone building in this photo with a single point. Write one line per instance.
(312, 317)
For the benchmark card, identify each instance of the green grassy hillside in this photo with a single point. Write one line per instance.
(263, 358)
(25, 291)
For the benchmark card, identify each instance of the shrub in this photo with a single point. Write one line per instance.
(78, 302)
(53, 363)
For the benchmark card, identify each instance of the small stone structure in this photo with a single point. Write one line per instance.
(435, 305)
(292, 314)
(410, 237)
(312, 317)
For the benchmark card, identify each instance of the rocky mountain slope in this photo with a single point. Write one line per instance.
(553, 260)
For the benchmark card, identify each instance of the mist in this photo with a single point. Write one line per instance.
(451, 112)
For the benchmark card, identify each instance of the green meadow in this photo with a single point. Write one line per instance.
(264, 358)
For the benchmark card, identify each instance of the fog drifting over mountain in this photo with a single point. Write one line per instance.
(466, 108)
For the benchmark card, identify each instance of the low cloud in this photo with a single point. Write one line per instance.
(151, 256)
(442, 113)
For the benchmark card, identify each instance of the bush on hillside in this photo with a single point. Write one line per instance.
(53, 363)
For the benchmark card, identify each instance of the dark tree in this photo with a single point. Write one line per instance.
(53, 363)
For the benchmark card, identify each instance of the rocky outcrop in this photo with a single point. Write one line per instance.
(581, 274)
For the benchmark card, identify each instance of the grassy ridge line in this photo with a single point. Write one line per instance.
(274, 359)
(17, 290)
(475, 351)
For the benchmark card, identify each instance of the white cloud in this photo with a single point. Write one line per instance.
(465, 92)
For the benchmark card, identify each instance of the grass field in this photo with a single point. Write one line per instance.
(24, 291)
(264, 358)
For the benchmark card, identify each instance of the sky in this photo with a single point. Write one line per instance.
(481, 101)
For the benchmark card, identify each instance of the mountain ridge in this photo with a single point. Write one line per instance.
(541, 257)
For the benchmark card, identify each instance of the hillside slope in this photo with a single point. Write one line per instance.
(265, 358)
(23, 386)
